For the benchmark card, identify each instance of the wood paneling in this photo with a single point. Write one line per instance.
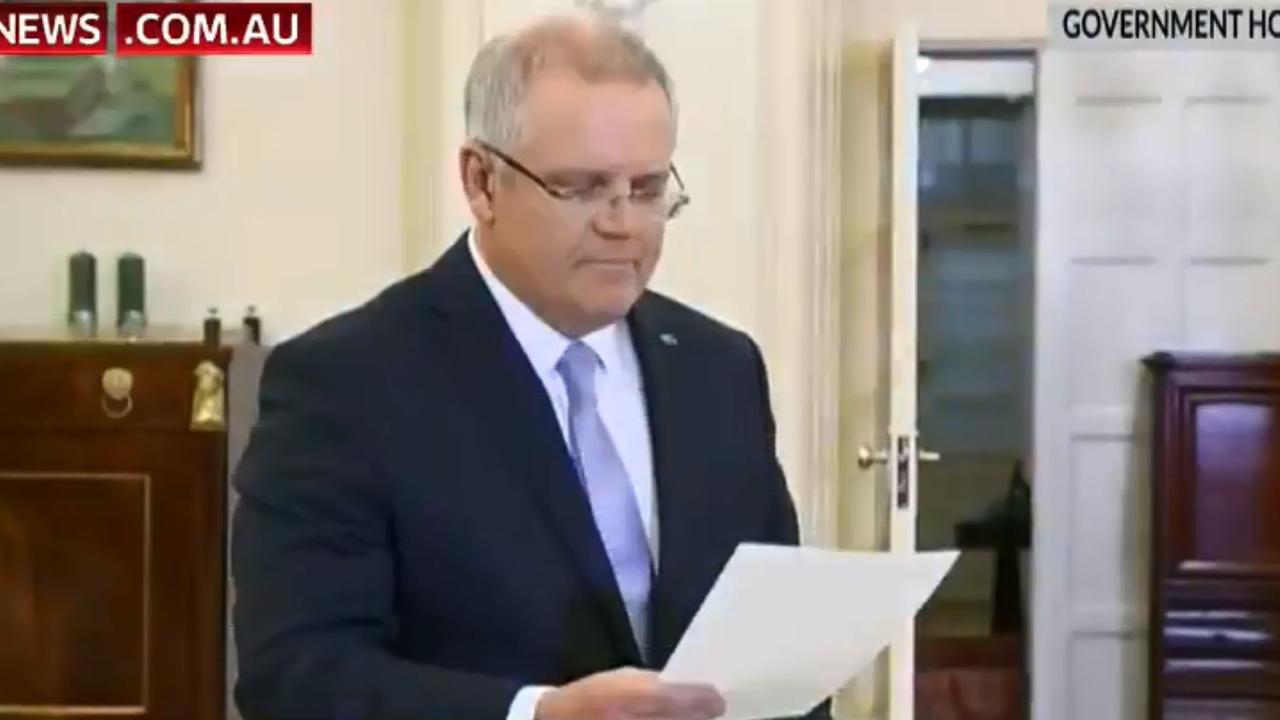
(1215, 590)
(111, 536)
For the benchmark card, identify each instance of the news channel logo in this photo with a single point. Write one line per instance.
(1208, 26)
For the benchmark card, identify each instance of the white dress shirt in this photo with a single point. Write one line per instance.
(619, 400)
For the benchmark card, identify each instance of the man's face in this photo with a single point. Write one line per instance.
(579, 265)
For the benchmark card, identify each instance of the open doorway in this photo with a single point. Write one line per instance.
(976, 183)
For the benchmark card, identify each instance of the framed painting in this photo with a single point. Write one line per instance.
(98, 110)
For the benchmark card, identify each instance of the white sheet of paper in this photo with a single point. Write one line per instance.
(784, 628)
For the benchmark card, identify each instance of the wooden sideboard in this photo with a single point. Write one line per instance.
(113, 464)
(1215, 581)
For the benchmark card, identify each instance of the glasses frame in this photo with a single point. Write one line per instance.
(680, 201)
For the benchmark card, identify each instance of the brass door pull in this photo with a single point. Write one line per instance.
(117, 393)
(868, 457)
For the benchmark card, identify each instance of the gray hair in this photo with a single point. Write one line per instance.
(597, 49)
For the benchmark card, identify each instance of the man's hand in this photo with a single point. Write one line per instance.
(629, 694)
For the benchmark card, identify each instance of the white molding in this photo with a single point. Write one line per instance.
(823, 509)
(800, 269)
(441, 37)
(1052, 455)
(420, 104)
(1108, 621)
(977, 77)
(1104, 422)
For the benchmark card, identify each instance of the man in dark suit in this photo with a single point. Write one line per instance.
(503, 487)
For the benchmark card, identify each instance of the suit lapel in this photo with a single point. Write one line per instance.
(674, 427)
(511, 402)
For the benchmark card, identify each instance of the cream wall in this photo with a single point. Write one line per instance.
(326, 178)
(748, 125)
(329, 176)
(975, 20)
(719, 155)
(297, 210)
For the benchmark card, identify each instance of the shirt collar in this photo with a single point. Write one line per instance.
(543, 344)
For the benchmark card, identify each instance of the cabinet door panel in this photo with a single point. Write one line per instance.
(111, 560)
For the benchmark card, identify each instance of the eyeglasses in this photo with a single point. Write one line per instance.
(652, 196)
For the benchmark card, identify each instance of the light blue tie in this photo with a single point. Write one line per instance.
(613, 501)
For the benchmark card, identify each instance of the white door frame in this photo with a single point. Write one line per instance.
(902, 453)
(1008, 76)
(880, 264)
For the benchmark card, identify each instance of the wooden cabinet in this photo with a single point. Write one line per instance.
(112, 503)
(1215, 590)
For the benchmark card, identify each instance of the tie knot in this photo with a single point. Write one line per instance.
(578, 368)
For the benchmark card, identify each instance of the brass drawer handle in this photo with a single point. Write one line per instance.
(117, 393)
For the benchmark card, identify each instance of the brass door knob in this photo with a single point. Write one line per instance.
(117, 393)
(868, 457)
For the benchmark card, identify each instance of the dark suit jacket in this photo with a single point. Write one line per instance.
(412, 540)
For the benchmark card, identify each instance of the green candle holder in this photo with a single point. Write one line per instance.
(131, 289)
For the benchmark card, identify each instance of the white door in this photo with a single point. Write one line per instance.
(1159, 195)
(891, 451)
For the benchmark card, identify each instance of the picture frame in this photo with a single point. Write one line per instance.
(99, 111)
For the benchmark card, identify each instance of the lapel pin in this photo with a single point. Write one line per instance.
(668, 339)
